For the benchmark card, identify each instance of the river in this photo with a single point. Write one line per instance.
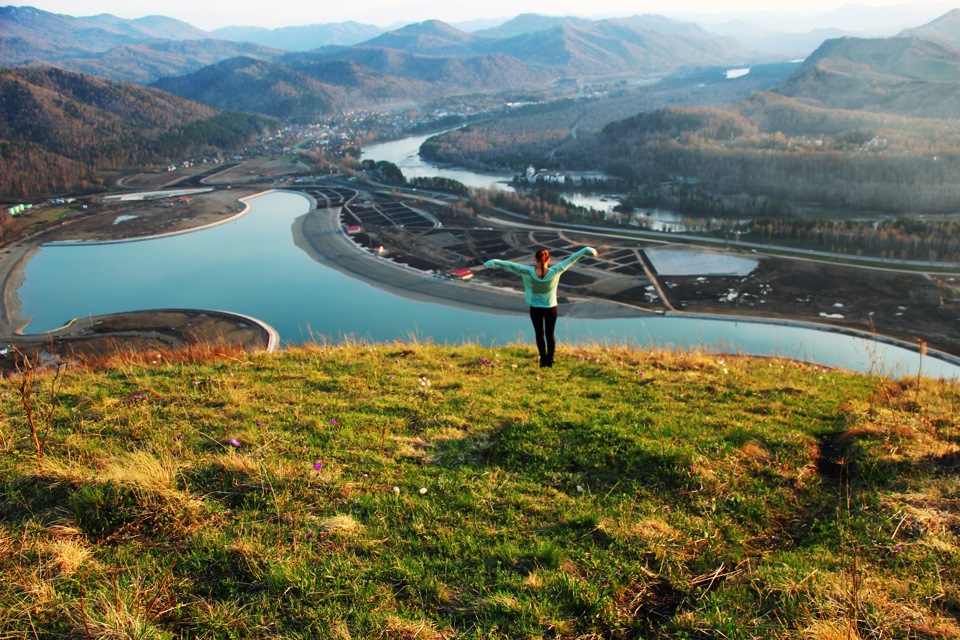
(252, 266)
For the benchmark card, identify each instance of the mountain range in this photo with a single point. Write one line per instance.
(902, 74)
(916, 73)
(148, 49)
(431, 58)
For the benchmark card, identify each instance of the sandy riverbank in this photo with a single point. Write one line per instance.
(318, 234)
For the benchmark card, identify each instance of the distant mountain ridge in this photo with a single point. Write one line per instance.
(573, 45)
(434, 58)
(945, 29)
(144, 62)
(301, 37)
(570, 45)
(908, 76)
(28, 34)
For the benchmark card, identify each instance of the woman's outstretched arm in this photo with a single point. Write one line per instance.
(566, 264)
(512, 267)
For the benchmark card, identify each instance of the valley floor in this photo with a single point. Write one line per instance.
(907, 306)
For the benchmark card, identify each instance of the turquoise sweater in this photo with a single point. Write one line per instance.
(541, 292)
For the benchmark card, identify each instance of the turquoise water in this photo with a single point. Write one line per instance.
(252, 266)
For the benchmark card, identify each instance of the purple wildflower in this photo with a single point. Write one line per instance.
(317, 466)
(234, 442)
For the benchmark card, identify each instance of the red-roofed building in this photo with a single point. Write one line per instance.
(463, 274)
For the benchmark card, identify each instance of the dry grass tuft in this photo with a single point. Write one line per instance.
(341, 525)
(832, 630)
(190, 353)
(651, 530)
(62, 472)
(411, 448)
(143, 470)
(754, 453)
(69, 555)
(400, 629)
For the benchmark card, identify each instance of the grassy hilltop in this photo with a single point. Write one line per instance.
(422, 491)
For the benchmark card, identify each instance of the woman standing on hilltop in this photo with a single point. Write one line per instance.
(540, 287)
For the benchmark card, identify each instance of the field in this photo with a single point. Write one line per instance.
(416, 491)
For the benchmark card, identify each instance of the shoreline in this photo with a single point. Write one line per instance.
(75, 331)
(328, 245)
(319, 234)
(13, 263)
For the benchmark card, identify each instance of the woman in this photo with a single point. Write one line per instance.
(540, 287)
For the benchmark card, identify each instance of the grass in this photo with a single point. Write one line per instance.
(422, 491)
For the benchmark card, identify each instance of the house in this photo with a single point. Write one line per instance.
(462, 274)
(353, 229)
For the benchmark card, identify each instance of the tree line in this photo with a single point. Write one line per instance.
(899, 239)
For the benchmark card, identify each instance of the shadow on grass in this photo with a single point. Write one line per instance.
(593, 457)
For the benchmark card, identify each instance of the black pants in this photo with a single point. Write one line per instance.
(544, 321)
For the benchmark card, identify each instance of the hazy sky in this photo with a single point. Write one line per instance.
(211, 14)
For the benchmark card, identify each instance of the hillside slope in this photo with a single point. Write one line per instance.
(423, 491)
(945, 29)
(904, 76)
(245, 84)
(58, 128)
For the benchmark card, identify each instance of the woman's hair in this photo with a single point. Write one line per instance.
(541, 255)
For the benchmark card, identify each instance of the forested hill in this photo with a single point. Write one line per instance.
(302, 85)
(906, 76)
(774, 148)
(245, 84)
(58, 129)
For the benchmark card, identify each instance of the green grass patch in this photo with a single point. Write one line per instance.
(422, 491)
